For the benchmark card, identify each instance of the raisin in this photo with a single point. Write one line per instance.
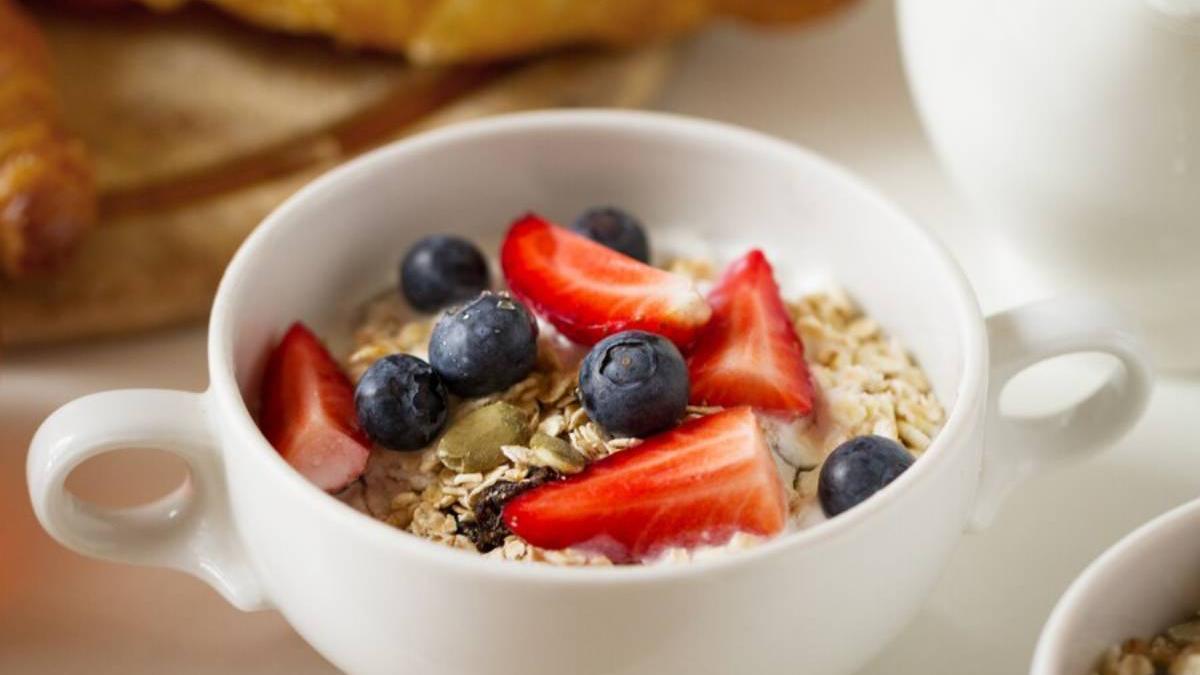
(488, 531)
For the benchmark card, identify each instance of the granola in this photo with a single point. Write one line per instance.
(1176, 651)
(868, 385)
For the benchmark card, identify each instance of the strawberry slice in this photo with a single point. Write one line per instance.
(697, 484)
(308, 412)
(750, 354)
(589, 291)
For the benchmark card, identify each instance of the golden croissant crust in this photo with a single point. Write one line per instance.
(440, 31)
(47, 195)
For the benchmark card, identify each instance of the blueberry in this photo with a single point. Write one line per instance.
(485, 346)
(401, 402)
(439, 271)
(857, 469)
(634, 383)
(615, 229)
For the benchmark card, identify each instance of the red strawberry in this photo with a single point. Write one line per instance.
(589, 291)
(695, 485)
(749, 354)
(308, 412)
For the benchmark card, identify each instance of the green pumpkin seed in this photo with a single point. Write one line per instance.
(548, 452)
(555, 453)
(1185, 633)
(472, 443)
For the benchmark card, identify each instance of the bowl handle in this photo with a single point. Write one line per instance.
(1015, 448)
(189, 529)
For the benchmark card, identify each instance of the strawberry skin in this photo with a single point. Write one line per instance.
(697, 484)
(307, 412)
(588, 291)
(750, 354)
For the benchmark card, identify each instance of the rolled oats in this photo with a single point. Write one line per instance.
(590, 440)
(1175, 652)
(869, 383)
(866, 384)
(696, 269)
(553, 424)
(548, 452)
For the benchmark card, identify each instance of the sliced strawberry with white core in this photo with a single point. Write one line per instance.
(695, 485)
(750, 354)
(589, 291)
(308, 414)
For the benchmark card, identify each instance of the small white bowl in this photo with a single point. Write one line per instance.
(1147, 581)
(374, 600)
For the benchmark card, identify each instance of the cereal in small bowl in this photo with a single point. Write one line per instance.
(1175, 651)
(599, 410)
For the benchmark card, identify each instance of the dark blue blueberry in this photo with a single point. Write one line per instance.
(615, 229)
(439, 271)
(401, 402)
(859, 468)
(485, 346)
(634, 383)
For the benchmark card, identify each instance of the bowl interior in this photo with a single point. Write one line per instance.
(701, 188)
(1145, 583)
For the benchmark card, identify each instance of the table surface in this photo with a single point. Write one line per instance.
(837, 88)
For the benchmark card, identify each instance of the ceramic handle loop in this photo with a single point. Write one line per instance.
(1015, 448)
(189, 529)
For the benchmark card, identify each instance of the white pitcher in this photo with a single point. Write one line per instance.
(1074, 126)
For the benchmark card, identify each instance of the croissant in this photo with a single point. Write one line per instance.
(47, 186)
(47, 190)
(440, 31)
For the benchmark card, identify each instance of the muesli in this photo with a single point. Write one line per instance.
(600, 410)
(1175, 651)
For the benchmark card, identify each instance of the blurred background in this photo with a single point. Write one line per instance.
(138, 147)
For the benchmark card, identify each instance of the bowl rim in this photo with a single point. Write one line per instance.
(1049, 650)
(224, 393)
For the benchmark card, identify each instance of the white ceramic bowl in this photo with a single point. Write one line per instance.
(375, 600)
(1145, 583)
